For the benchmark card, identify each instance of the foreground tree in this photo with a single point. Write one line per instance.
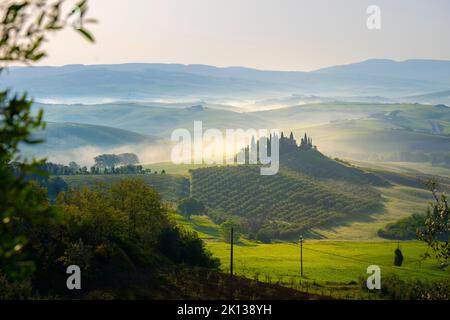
(437, 228)
(24, 28)
(147, 215)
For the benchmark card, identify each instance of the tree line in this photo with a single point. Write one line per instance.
(73, 168)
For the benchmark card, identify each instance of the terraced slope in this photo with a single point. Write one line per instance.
(284, 204)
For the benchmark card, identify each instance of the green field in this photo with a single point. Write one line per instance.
(205, 228)
(329, 266)
(327, 262)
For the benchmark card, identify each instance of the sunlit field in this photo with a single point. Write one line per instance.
(326, 261)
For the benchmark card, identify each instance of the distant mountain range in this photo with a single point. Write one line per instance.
(385, 79)
(122, 108)
(436, 71)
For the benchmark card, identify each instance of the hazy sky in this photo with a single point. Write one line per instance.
(265, 34)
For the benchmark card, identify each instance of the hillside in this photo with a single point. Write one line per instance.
(67, 134)
(360, 131)
(379, 140)
(315, 165)
(68, 141)
(147, 119)
(295, 200)
(413, 117)
(200, 283)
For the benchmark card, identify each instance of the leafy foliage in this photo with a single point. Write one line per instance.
(24, 27)
(394, 288)
(172, 187)
(115, 234)
(20, 201)
(404, 229)
(436, 232)
(74, 169)
(114, 160)
(225, 230)
(183, 246)
(191, 206)
(143, 205)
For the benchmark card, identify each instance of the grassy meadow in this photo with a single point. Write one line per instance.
(326, 262)
(331, 267)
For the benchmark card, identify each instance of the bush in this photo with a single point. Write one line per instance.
(185, 247)
(225, 229)
(14, 290)
(395, 289)
(404, 229)
(117, 235)
(264, 236)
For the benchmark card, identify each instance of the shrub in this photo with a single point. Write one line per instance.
(396, 289)
(182, 246)
(264, 236)
(225, 229)
(14, 290)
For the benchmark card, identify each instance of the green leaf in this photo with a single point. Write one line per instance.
(85, 34)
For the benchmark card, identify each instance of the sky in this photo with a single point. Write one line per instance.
(264, 34)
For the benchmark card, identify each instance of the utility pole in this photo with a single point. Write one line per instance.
(231, 263)
(231, 252)
(301, 255)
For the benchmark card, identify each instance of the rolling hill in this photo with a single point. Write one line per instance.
(68, 141)
(297, 199)
(315, 165)
(66, 134)
(377, 140)
(360, 131)
(375, 132)
(150, 120)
